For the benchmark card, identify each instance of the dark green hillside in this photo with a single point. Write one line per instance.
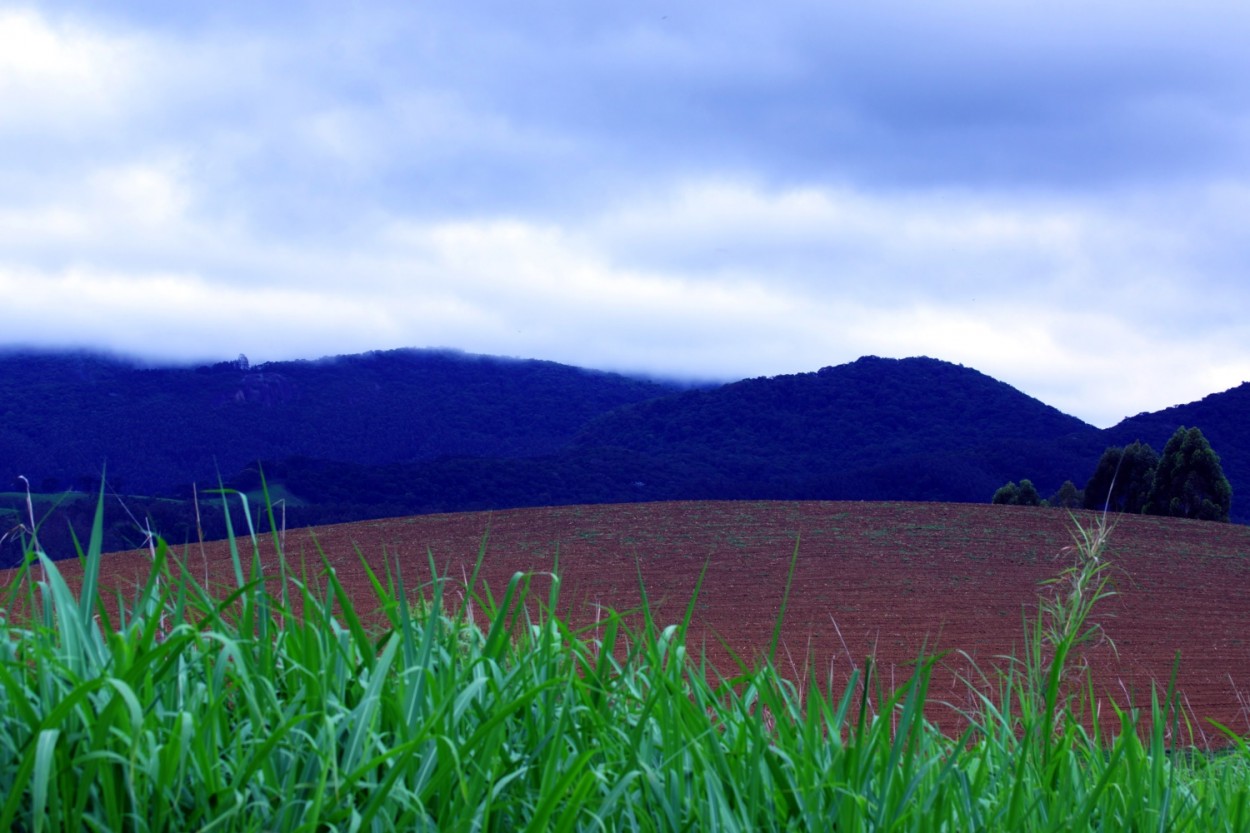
(876, 428)
(408, 432)
(1225, 421)
(64, 415)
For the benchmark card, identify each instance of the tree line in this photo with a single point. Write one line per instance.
(1186, 481)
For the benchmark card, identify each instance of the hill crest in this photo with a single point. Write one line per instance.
(414, 431)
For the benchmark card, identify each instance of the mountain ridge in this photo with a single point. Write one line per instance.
(158, 427)
(417, 431)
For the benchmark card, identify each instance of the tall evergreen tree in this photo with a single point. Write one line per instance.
(1189, 481)
(1122, 480)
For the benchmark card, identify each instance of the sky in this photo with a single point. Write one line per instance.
(1054, 193)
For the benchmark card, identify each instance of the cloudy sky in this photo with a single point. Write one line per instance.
(1054, 193)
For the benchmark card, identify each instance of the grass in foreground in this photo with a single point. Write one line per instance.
(275, 705)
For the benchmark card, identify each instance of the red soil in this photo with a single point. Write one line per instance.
(883, 579)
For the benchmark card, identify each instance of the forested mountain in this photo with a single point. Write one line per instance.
(410, 431)
(915, 429)
(912, 429)
(63, 416)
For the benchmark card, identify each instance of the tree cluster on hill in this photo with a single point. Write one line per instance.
(1187, 481)
(1225, 421)
(1024, 494)
(1123, 478)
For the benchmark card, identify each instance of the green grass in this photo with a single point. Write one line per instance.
(281, 704)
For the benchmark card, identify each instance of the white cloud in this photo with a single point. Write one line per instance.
(190, 318)
(148, 195)
(111, 211)
(60, 75)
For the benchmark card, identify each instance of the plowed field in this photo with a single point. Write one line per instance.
(881, 579)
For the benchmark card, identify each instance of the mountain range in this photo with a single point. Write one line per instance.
(413, 431)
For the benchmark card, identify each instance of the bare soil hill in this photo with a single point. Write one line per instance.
(884, 579)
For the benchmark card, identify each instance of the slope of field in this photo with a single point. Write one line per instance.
(881, 579)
